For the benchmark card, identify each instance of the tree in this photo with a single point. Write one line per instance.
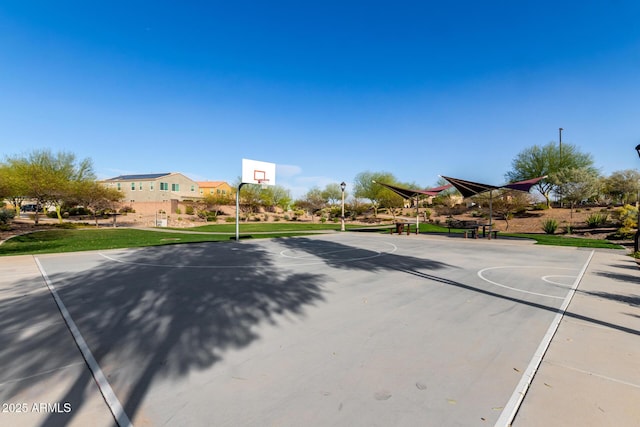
(276, 196)
(576, 185)
(12, 186)
(250, 201)
(312, 201)
(507, 203)
(364, 186)
(95, 196)
(49, 178)
(547, 160)
(623, 184)
(332, 193)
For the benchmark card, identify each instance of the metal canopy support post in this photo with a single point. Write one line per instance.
(238, 211)
(417, 214)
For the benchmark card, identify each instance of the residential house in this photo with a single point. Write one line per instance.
(152, 192)
(218, 188)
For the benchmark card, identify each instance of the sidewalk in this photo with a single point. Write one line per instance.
(590, 375)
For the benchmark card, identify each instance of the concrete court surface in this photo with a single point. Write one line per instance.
(345, 329)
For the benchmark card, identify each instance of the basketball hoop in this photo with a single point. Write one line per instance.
(264, 183)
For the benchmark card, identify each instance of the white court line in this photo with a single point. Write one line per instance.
(511, 409)
(548, 280)
(593, 374)
(107, 392)
(481, 272)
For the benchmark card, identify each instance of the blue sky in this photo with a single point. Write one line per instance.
(325, 90)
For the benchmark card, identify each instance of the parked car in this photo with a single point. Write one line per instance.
(29, 208)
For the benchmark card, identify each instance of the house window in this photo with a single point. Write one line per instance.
(175, 187)
(164, 186)
(140, 187)
(193, 188)
(151, 186)
(133, 186)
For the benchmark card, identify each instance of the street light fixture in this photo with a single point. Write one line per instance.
(343, 185)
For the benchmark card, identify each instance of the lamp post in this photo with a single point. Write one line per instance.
(343, 185)
(636, 240)
(560, 144)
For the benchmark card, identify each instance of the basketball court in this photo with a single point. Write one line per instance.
(340, 329)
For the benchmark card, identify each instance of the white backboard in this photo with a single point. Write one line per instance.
(256, 172)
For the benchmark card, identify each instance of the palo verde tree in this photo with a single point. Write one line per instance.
(13, 186)
(332, 194)
(50, 178)
(577, 185)
(95, 196)
(548, 160)
(312, 202)
(365, 187)
(623, 186)
(275, 196)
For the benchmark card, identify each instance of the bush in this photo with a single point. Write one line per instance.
(189, 210)
(230, 219)
(628, 216)
(129, 209)
(550, 226)
(52, 214)
(597, 219)
(78, 210)
(540, 207)
(6, 215)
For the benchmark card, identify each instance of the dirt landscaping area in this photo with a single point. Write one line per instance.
(530, 222)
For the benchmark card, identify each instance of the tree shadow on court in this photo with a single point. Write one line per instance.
(158, 313)
(333, 254)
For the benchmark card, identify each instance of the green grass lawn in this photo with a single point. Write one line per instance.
(73, 240)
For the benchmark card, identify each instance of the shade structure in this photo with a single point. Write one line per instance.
(409, 193)
(470, 188)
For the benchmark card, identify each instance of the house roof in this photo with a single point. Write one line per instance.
(138, 177)
(210, 184)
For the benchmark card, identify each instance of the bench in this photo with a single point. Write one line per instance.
(463, 225)
(399, 227)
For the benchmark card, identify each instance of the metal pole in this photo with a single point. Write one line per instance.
(238, 211)
(560, 131)
(342, 216)
(417, 214)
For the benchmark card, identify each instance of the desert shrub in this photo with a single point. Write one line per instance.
(189, 210)
(230, 219)
(597, 219)
(628, 217)
(127, 209)
(79, 210)
(6, 215)
(286, 218)
(52, 214)
(549, 226)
